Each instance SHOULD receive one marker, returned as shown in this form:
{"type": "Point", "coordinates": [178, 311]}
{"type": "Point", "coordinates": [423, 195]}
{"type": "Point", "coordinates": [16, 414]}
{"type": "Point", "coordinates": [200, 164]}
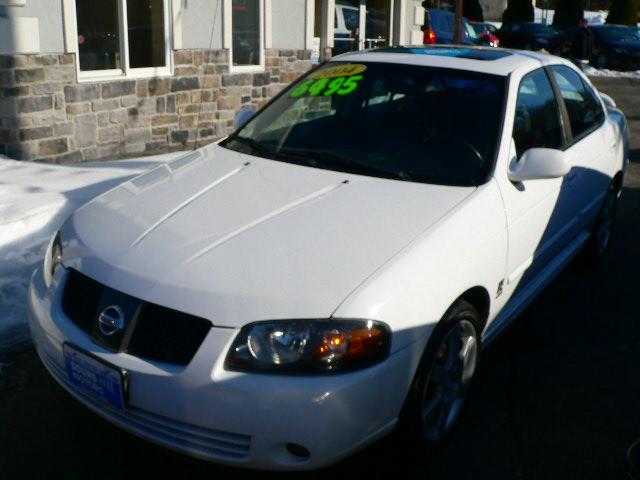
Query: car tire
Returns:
{"type": "Point", "coordinates": [528, 46]}
{"type": "Point", "coordinates": [602, 229]}
{"type": "Point", "coordinates": [444, 375]}
{"type": "Point", "coordinates": [601, 61]}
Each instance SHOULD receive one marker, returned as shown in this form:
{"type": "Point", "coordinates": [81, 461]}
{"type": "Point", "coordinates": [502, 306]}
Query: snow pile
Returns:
{"type": "Point", "coordinates": [596, 18]}
{"type": "Point", "coordinates": [594, 72]}
{"type": "Point", "coordinates": [546, 16]}
{"type": "Point", "coordinates": [35, 199]}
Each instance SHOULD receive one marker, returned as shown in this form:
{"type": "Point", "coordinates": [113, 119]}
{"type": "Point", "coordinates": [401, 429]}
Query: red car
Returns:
{"type": "Point", "coordinates": [486, 34]}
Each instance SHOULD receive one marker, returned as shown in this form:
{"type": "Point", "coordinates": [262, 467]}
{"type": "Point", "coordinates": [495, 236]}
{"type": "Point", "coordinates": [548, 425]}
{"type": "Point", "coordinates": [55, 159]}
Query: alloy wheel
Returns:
{"type": "Point", "coordinates": [449, 380]}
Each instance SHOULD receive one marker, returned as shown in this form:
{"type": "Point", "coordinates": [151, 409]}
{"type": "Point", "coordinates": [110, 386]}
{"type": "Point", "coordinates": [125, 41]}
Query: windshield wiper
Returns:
{"type": "Point", "coordinates": [316, 158]}
{"type": "Point", "coordinates": [253, 145]}
{"type": "Point", "coordinates": [313, 157]}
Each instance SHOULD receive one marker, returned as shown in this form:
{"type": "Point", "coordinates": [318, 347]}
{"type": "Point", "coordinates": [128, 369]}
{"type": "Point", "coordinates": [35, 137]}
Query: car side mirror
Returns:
{"type": "Point", "coordinates": [608, 101]}
{"type": "Point", "coordinates": [539, 163]}
{"type": "Point", "coordinates": [243, 116]}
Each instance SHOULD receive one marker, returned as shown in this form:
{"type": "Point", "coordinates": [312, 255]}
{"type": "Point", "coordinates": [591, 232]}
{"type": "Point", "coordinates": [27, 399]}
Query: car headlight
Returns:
{"type": "Point", "coordinates": [309, 346]}
{"type": "Point", "coordinates": [52, 258]}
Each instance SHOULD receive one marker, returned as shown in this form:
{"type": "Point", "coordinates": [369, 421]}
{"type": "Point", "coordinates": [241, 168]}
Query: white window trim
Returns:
{"type": "Point", "coordinates": [310, 17]}
{"type": "Point", "coordinates": [71, 45]}
{"type": "Point", "coordinates": [265, 36]}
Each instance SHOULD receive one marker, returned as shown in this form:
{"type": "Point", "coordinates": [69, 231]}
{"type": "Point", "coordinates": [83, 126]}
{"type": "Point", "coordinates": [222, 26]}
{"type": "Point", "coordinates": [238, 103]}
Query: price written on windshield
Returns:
{"type": "Point", "coordinates": [327, 87]}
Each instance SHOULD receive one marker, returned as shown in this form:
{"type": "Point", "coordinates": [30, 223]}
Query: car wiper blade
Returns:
{"type": "Point", "coordinates": [253, 145]}
{"type": "Point", "coordinates": [312, 156]}
{"type": "Point", "coordinates": [317, 158]}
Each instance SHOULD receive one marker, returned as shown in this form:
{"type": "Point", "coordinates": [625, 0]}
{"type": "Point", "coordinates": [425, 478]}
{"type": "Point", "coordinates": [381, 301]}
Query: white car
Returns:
{"type": "Point", "coordinates": [287, 296]}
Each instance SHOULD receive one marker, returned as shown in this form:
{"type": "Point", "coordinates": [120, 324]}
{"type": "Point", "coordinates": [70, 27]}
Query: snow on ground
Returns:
{"type": "Point", "coordinates": [594, 17]}
{"type": "Point", "coordinates": [594, 72]}
{"type": "Point", "coordinates": [35, 199]}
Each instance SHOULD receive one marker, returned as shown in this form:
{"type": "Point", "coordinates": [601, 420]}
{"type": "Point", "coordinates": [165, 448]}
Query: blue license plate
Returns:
{"type": "Point", "coordinates": [94, 377]}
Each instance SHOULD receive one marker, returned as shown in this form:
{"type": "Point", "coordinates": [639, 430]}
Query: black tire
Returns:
{"type": "Point", "coordinates": [414, 419]}
{"type": "Point", "coordinates": [602, 229]}
{"type": "Point", "coordinates": [528, 46]}
{"type": "Point", "coordinates": [602, 61]}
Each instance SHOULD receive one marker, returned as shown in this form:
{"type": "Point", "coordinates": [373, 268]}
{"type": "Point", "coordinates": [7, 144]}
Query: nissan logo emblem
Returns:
{"type": "Point", "coordinates": [111, 320]}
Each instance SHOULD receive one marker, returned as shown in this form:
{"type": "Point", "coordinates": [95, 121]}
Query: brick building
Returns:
{"type": "Point", "coordinates": [86, 80]}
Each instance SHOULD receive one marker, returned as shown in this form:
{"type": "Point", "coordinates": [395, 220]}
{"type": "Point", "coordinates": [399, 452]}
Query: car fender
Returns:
{"type": "Point", "coordinates": [412, 291]}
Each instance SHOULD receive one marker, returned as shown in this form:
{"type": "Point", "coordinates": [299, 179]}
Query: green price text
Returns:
{"type": "Point", "coordinates": [327, 87]}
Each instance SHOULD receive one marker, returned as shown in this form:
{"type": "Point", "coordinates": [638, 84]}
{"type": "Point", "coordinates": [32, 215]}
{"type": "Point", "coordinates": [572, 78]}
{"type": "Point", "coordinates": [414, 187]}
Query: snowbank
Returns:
{"type": "Point", "coordinates": [34, 201]}
{"type": "Point", "coordinates": [594, 17]}
{"type": "Point", "coordinates": [594, 72]}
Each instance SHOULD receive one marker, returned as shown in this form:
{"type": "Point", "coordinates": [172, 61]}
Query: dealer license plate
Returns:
{"type": "Point", "coordinates": [94, 377]}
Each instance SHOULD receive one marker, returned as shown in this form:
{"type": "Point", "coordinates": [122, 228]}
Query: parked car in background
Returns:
{"type": "Point", "coordinates": [333, 268]}
{"type": "Point", "coordinates": [486, 33]}
{"type": "Point", "coordinates": [526, 35]}
{"type": "Point", "coordinates": [439, 28]}
{"type": "Point", "coordinates": [615, 46]}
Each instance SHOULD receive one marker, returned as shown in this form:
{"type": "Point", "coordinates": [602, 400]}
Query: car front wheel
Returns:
{"type": "Point", "coordinates": [445, 374]}
{"type": "Point", "coordinates": [602, 61]}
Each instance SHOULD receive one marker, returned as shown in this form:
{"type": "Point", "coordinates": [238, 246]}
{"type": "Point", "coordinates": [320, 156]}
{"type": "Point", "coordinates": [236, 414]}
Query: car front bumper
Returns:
{"type": "Point", "coordinates": [229, 417]}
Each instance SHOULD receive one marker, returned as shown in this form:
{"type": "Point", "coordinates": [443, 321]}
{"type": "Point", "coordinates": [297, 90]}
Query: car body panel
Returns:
{"type": "Point", "coordinates": [196, 409]}
{"type": "Point", "coordinates": [283, 241]}
{"type": "Point", "coordinates": [521, 35]}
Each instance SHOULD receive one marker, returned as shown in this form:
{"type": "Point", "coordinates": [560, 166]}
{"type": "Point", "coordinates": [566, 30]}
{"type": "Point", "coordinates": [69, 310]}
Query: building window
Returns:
{"type": "Point", "coordinates": [247, 27]}
{"type": "Point", "coordinates": [123, 37]}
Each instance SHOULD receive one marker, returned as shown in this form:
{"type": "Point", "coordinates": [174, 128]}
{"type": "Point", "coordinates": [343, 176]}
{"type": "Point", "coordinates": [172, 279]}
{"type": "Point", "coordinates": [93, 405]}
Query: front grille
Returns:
{"type": "Point", "coordinates": [203, 442]}
{"type": "Point", "coordinates": [152, 332]}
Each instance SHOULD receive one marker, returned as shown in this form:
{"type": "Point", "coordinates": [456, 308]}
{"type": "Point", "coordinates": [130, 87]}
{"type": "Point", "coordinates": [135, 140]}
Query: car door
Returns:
{"type": "Point", "coordinates": [536, 210]}
{"type": "Point", "coordinates": [446, 25]}
{"type": "Point", "coordinates": [591, 142]}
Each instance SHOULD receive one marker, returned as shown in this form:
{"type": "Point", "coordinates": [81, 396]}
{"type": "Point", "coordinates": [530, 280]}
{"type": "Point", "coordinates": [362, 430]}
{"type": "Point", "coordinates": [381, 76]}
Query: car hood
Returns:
{"type": "Point", "coordinates": [236, 238]}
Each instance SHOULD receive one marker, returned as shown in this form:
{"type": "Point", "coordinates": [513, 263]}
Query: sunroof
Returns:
{"type": "Point", "coordinates": [458, 52]}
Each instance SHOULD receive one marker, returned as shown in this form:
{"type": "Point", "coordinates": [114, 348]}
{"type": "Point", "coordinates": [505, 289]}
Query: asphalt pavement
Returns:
{"type": "Point", "coordinates": [557, 395]}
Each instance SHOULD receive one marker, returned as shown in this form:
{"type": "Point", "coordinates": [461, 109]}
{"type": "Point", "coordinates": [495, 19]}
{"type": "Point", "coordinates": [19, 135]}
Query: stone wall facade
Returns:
{"type": "Point", "coordinates": [47, 115]}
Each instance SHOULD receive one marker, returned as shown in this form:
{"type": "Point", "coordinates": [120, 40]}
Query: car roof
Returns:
{"type": "Point", "coordinates": [497, 61]}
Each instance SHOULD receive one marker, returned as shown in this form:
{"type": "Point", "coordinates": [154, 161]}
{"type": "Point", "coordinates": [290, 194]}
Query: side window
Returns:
{"type": "Point", "coordinates": [537, 121]}
{"type": "Point", "coordinates": [584, 108]}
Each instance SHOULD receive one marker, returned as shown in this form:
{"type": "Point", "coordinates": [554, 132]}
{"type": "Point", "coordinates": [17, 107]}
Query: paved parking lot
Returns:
{"type": "Point", "coordinates": [557, 396]}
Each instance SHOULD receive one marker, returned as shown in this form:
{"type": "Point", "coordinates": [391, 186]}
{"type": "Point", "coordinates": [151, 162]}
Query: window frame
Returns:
{"type": "Point", "coordinates": [126, 71]}
{"type": "Point", "coordinates": [572, 139]}
{"type": "Point", "coordinates": [560, 107]}
{"type": "Point", "coordinates": [228, 38]}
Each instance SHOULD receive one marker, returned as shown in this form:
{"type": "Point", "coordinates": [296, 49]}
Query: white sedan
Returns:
{"type": "Point", "coordinates": [287, 296]}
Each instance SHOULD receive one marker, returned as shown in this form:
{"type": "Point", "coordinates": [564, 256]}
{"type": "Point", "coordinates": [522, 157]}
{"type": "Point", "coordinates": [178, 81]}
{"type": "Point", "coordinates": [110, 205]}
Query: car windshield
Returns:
{"type": "Point", "coordinates": [471, 33]}
{"type": "Point", "coordinates": [406, 122]}
{"type": "Point", "coordinates": [479, 28]}
{"type": "Point", "coordinates": [622, 34]}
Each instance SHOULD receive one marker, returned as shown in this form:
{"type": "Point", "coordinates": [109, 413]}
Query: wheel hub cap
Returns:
{"type": "Point", "coordinates": [449, 379]}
